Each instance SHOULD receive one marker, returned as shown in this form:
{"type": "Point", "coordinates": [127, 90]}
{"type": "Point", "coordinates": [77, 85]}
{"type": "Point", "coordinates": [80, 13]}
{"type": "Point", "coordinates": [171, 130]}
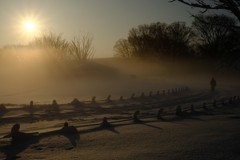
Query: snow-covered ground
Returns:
{"type": "Point", "coordinates": [210, 132]}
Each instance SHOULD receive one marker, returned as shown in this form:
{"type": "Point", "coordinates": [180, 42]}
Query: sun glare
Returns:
{"type": "Point", "coordinates": [30, 26]}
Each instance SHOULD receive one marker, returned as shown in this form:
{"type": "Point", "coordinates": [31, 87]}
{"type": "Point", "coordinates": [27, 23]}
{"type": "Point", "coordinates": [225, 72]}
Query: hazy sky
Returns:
{"type": "Point", "coordinates": [106, 20]}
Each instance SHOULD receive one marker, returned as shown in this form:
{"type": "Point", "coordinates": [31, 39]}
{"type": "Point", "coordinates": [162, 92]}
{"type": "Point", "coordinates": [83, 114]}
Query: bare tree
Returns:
{"type": "Point", "coordinates": [233, 6]}
{"type": "Point", "coordinates": [215, 34]}
{"type": "Point", "coordinates": [50, 40]}
{"type": "Point", "coordinates": [180, 37]}
{"type": "Point", "coordinates": [123, 49]}
{"type": "Point", "coordinates": [58, 48]}
{"type": "Point", "coordinates": [141, 40]}
{"type": "Point", "coordinates": [213, 27]}
{"type": "Point", "coordinates": [81, 47]}
{"type": "Point", "coordinates": [156, 40]}
{"type": "Point", "coordinates": [54, 45]}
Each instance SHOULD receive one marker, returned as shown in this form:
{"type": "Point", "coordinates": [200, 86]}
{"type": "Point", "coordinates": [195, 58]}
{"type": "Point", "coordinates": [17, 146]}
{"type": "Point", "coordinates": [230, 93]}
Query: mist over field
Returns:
{"type": "Point", "coordinates": [29, 74]}
{"type": "Point", "coordinates": [33, 75]}
{"type": "Point", "coordinates": [131, 80]}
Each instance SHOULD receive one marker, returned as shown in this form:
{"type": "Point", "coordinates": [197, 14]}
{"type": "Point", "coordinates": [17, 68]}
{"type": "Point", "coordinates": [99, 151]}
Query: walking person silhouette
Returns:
{"type": "Point", "coordinates": [213, 84]}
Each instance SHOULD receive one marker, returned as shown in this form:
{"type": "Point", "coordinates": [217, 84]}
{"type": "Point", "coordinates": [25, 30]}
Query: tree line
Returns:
{"type": "Point", "coordinates": [57, 48]}
{"type": "Point", "coordinates": [212, 37]}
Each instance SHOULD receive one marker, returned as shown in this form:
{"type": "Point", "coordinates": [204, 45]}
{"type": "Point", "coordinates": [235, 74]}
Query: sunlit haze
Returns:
{"type": "Point", "coordinates": [119, 79]}
{"type": "Point", "coordinates": [106, 20]}
{"type": "Point", "coordinates": [29, 26]}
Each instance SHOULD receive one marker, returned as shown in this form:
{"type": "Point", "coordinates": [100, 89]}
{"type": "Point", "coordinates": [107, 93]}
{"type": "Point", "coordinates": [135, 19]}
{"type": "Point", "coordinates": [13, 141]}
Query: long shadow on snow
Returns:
{"type": "Point", "coordinates": [113, 126]}
{"type": "Point", "coordinates": [15, 147]}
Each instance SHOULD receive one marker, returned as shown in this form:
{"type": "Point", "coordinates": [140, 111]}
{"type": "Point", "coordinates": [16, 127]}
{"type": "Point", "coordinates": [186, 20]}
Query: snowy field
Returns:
{"type": "Point", "coordinates": [209, 129]}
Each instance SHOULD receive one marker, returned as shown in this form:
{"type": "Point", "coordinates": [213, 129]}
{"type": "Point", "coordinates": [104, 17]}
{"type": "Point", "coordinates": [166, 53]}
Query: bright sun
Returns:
{"type": "Point", "coordinates": [29, 26]}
